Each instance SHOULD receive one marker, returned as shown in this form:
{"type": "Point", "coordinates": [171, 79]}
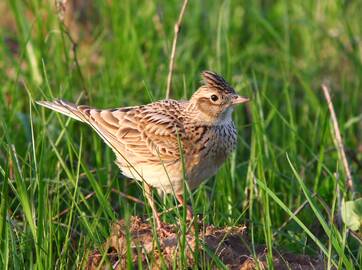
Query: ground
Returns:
{"type": "Point", "coordinates": [229, 245]}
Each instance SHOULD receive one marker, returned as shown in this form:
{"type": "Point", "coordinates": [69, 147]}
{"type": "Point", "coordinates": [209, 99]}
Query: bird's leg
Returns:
{"type": "Point", "coordinates": [189, 212]}
{"type": "Point", "coordinates": [148, 193]}
{"type": "Point", "coordinates": [160, 227]}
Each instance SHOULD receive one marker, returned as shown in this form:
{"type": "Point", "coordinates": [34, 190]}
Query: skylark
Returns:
{"type": "Point", "coordinates": [168, 141]}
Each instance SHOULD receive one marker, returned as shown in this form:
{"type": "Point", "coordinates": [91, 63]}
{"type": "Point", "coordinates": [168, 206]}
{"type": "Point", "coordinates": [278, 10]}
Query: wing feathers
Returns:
{"type": "Point", "coordinates": [143, 134]}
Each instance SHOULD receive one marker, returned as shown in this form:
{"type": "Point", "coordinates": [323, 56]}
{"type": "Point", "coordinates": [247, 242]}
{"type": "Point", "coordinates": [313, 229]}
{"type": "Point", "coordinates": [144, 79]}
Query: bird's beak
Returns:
{"type": "Point", "coordinates": [236, 99]}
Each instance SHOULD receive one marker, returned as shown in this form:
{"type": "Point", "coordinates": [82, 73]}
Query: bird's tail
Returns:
{"type": "Point", "coordinates": [83, 113]}
{"type": "Point", "coordinates": [67, 108]}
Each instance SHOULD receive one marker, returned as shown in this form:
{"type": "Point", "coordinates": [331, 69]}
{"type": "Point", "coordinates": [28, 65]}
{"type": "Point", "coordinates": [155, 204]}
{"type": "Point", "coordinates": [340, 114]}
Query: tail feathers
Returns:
{"type": "Point", "coordinates": [83, 113]}
{"type": "Point", "coordinates": [67, 108]}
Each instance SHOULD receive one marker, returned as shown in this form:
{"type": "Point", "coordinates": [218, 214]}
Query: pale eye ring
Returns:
{"type": "Point", "coordinates": [214, 97]}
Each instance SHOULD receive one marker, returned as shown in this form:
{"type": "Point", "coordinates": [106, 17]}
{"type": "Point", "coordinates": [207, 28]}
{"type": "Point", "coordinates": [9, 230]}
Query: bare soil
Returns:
{"type": "Point", "coordinates": [229, 246]}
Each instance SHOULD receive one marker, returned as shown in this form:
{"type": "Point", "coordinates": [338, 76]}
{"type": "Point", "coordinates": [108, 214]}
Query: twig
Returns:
{"type": "Point", "coordinates": [167, 211]}
{"type": "Point", "coordinates": [295, 213]}
{"type": "Point", "coordinates": [356, 236]}
{"type": "Point", "coordinates": [173, 51]}
{"type": "Point", "coordinates": [88, 196]}
{"type": "Point", "coordinates": [66, 210]}
{"type": "Point", "coordinates": [11, 169]}
{"type": "Point", "coordinates": [75, 55]}
{"type": "Point", "coordinates": [339, 142]}
{"type": "Point", "coordinates": [129, 197]}
{"type": "Point", "coordinates": [61, 9]}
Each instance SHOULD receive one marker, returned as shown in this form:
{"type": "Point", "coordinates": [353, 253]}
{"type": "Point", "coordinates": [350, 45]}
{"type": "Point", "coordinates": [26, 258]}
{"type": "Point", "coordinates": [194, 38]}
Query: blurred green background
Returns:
{"type": "Point", "coordinates": [276, 52]}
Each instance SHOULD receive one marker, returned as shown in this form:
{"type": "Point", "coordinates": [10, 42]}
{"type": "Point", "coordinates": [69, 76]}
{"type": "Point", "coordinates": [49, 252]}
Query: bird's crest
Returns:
{"type": "Point", "coordinates": [213, 80]}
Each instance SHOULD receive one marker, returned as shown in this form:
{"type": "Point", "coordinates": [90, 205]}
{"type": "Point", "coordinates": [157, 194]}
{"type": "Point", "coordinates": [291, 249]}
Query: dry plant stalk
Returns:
{"type": "Point", "coordinates": [66, 210]}
{"type": "Point", "coordinates": [61, 6]}
{"type": "Point", "coordinates": [339, 141]}
{"type": "Point", "coordinates": [173, 51]}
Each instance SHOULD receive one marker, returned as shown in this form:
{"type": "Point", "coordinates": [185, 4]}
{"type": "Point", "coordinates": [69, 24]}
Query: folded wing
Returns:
{"type": "Point", "coordinates": [145, 135]}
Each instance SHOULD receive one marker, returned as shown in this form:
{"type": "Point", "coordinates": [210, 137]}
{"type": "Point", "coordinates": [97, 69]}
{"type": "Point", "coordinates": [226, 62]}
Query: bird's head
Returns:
{"type": "Point", "coordinates": [214, 101]}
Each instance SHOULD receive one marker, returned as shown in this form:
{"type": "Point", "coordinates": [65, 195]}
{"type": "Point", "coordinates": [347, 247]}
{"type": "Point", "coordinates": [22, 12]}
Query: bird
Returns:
{"type": "Point", "coordinates": [168, 142]}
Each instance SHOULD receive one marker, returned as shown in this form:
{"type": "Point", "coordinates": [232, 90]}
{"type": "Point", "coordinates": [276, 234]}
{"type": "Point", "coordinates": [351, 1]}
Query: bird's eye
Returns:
{"type": "Point", "coordinates": [214, 97]}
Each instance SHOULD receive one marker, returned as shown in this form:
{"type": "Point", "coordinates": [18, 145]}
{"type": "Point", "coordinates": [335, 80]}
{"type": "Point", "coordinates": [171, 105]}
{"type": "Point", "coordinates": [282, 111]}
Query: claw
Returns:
{"type": "Point", "coordinates": [164, 231]}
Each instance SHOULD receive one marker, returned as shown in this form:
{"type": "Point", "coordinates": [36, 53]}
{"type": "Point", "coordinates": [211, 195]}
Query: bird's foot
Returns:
{"type": "Point", "coordinates": [164, 230]}
{"type": "Point", "coordinates": [189, 213]}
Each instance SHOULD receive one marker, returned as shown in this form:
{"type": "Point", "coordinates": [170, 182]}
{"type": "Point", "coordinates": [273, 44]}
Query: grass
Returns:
{"type": "Point", "coordinates": [277, 52]}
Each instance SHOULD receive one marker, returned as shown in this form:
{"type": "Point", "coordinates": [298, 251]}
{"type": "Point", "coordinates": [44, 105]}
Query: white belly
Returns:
{"type": "Point", "coordinates": [169, 179]}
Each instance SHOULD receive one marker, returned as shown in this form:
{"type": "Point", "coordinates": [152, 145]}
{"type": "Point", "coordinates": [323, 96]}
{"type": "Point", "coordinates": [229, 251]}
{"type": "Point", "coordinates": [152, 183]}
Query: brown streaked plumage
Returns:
{"type": "Point", "coordinates": [148, 140]}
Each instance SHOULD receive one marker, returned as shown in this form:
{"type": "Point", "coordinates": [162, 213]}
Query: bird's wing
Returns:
{"type": "Point", "coordinates": [143, 134]}
{"type": "Point", "coordinates": [150, 133]}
